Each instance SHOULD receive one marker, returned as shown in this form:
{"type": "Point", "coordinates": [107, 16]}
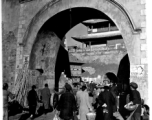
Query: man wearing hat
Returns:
{"type": "Point", "coordinates": [136, 99]}
{"type": "Point", "coordinates": [32, 98]}
{"type": "Point", "coordinates": [106, 101]}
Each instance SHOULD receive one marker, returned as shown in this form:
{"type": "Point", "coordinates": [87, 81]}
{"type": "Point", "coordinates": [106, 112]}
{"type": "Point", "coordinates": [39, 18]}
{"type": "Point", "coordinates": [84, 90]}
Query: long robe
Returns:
{"type": "Point", "coordinates": [46, 95]}
{"type": "Point", "coordinates": [84, 105]}
{"type": "Point", "coordinates": [107, 98]}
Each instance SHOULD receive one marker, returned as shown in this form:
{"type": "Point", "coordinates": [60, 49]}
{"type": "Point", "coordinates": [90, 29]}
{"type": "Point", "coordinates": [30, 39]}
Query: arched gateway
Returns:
{"type": "Point", "coordinates": [105, 6]}
{"type": "Point", "coordinates": [110, 8]}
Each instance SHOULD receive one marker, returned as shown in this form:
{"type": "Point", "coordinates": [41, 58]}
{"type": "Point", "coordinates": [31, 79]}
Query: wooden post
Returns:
{"type": "Point", "coordinates": [109, 26]}
{"type": "Point", "coordinates": [90, 45]}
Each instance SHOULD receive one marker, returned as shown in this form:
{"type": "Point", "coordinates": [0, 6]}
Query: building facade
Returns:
{"type": "Point", "coordinates": [22, 21]}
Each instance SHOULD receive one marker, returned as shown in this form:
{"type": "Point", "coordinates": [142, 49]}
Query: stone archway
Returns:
{"type": "Point", "coordinates": [57, 6]}
{"type": "Point", "coordinates": [52, 8]}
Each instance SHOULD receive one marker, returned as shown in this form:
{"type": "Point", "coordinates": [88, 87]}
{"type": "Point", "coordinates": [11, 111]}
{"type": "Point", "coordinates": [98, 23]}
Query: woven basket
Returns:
{"type": "Point", "coordinates": [91, 116]}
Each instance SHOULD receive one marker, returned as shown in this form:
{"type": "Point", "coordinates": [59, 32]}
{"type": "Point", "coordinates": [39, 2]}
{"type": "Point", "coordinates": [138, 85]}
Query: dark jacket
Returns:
{"type": "Point", "coordinates": [66, 105]}
{"type": "Point", "coordinates": [6, 95]}
{"type": "Point", "coordinates": [114, 91]}
{"type": "Point", "coordinates": [107, 98]}
{"type": "Point", "coordinates": [136, 99]}
{"type": "Point", "coordinates": [32, 98]}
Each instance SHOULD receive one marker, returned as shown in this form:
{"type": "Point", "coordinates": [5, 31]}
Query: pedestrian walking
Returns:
{"type": "Point", "coordinates": [135, 99]}
{"type": "Point", "coordinates": [32, 98]}
{"type": "Point", "coordinates": [6, 95]}
{"type": "Point", "coordinates": [67, 104]}
{"type": "Point", "coordinates": [45, 97]}
{"type": "Point", "coordinates": [83, 102]}
{"type": "Point", "coordinates": [106, 101]}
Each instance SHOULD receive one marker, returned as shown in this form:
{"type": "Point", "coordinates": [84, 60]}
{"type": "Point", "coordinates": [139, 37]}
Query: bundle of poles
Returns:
{"type": "Point", "coordinates": [21, 87]}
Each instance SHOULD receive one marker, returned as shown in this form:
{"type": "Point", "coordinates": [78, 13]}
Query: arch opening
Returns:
{"type": "Point", "coordinates": [55, 29]}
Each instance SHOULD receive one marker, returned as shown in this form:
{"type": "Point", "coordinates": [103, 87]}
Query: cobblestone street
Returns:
{"type": "Point", "coordinates": [22, 116]}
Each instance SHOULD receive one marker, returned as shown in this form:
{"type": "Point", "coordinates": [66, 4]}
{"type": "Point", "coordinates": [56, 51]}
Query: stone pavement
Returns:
{"type": "Point", "coordinates": [49, 116]}
{"type": "Point", "coordinates": [24, 116]}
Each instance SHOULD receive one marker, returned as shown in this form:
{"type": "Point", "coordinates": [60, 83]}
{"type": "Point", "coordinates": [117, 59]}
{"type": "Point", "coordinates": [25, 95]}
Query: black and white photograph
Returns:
{"type": "Point", "coordinates": [75, 60]}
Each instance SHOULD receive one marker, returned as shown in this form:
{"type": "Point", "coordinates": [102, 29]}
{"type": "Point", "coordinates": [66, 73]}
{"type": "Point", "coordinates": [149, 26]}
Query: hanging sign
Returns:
{"type": "Point", "coordinates": [25, 61]}
{"type": "Point", "coordinates": [137, 70]}
{"type": "Point", "coordinates": [75, 70]}
{"type": "Point", "coordinates": [89, 69]}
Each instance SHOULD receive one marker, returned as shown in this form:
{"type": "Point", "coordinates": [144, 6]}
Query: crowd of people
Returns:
{"type": "Point", "coordinates": [106, 100]}
{"type": "Point", "coordinates": [75, 101]}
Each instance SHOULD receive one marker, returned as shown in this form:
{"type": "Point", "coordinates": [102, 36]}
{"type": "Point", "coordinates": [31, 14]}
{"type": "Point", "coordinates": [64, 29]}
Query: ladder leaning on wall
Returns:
{"type": "Point", "coordinates": [20, 88]}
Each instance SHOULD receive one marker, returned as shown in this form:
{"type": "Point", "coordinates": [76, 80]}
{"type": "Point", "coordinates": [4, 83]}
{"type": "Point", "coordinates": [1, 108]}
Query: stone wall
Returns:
{"type": "Point", "coordinates": [9, 57]}
{"type": "Point", "coordinates": [10, 20]}
{"type": "Point", "coordinates": [17, 17]}
{"type": "Point", "coordinates": [10, 16]}
{"type": "Point", "coordinates": [105, 61]}
{"type": "Point", "coordinates": [56, 6]}
{"type": "Point", "coordinates": [43, 57]}
{"type": "Point", "coordinates": [105, 57]}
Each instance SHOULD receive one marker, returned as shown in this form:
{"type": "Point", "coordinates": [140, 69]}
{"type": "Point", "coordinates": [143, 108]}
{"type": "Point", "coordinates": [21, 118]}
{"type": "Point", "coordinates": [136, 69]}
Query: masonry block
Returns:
{"type": "Point", "coordinates": [143, 54]}
{"type": "Point", "coordinates": [19, 41]}
{"type": "Point", "coordinates": [21, 9]}
{"type": "Point", "coordinates": [20, 35]}
{"type": "Point", "coordinates": [20, 26]}
{"type": "Point", "coordinates": [18, 52]}
{"type": "Point", "coordinates": [143, 24]}
{"type": "Point", "coordinates": [21, 17]}
{"type": "Point", "coordinates": [143, 41]}
{"type": "Point", "coordinates": [143, 47]}
{"type": "Point", "coordinates": [20, 56]}
{"type": "Point", "coordinates": [18, 66]}
{"type": "Point", "coordinates": [21, 31]}
{"type": "Point", "coordinates": [143, 36]}
{"type": "Point", "coordinates": [21, 22]}
{"type": "Point", "coordinates": [144, 61]}
{"type": "Point", "coordinates": [143, 30]}
{"type": "Point", "coordinates": [143, 1]}
{"type": "Point", "coordinates": [143, 12]}
{"type": "Point", "coordinates": [142, 18]}
{"type": "Point", "coordinates": [21, 61]}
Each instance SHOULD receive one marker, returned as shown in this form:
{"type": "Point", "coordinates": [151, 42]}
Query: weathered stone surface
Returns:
{"type": "Point", "coordinates": [143, 47]}
{"type": "Point", "coordinates": [144, 61]}
{"type": "Point", "coordinates": [44, 55]}
{"type": "Point", "coordinates": [10, 15]}
{"type": "Point", "coordinates": [129, 5]}
{"type": "Point", "coordinates": [143, 12]}
{"type": "Point", "coordinates": [9, 56]}
{"type": "Point", "coordinates": [143, 54]}
{"type": "Point", "coordinates": [46, 12]}
{"type": "Point", "coordinates": [105, 58]}
{"type": "Point", "coordinates": [33, 15]}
